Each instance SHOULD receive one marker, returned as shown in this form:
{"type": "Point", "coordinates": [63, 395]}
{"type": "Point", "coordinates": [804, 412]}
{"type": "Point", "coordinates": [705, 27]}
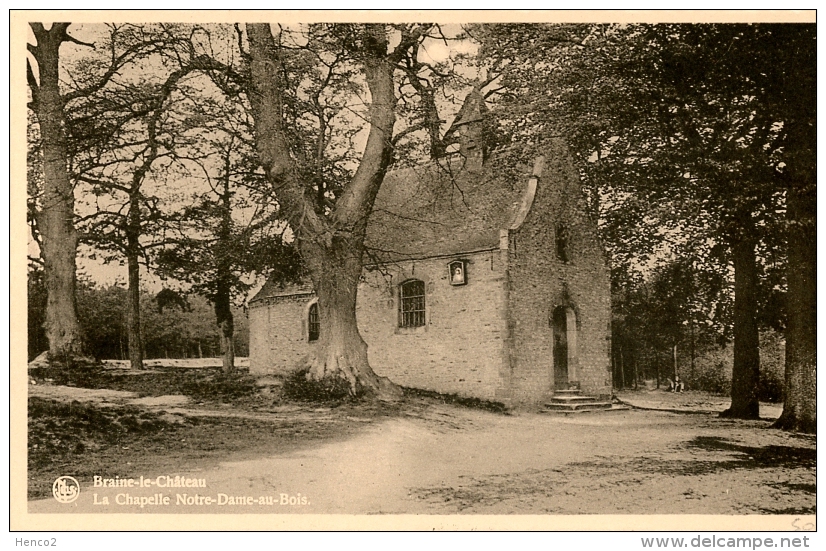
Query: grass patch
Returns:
{"type": "Point", "coordinates": [329, 390]}
{"type": "Point", "coordinates": [208, 384]}
{"type": "Point", "coordinates": [454, 399]}
{"type": "Point", "coordinates": [76, 438]}
{"type": "Point", "coordinates": [83, 440]}
{"type": "Point", "coordinates": [221, 387]}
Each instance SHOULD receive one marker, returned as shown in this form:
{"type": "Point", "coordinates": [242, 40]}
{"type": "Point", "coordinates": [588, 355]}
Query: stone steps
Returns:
{"type": "Point", "coordinates": [593, 405]}
{"type": "Point", "coordinates": [571, 401]}
{"type": "Point", "coordinates": [567, 392]}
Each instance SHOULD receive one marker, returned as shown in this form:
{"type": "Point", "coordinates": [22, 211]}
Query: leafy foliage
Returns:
{"type": "Point", "coordinates": [683, 135]}
{"type": "Point", "coordinates": [228, 229]}
{"type": "Point", "coordinates": [173, 331]}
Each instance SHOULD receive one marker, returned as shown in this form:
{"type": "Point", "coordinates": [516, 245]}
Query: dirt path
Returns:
{"type": "Point", "coordinates": [687, 402]}
{"type": "Point", "coordinates": [444, 459]}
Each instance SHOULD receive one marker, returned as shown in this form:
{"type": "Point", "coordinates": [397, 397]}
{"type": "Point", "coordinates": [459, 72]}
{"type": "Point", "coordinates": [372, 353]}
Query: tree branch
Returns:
{"type": "Point", "coordinates": [35, 87]}
{"type": "Point", "coordinates": [357, 200]}
{"type": "Point", "coordinates": [266, 74]}
{"type": "Point", "coordinates": [409, 38]}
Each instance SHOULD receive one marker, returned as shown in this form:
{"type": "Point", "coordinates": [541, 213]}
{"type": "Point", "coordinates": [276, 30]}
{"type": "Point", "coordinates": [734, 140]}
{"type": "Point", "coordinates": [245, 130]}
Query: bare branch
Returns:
{"type": "Point", "coordinates": [35, 87]}
{"type": "Point", "coordinates": [96, 182]}
{"type": "Point", "coordinates": [409, 130]}
{"type": "Point", "coordinates": [266, 73]}
{"type": "Point", "coordinates": [356, 201]}
{"type": "Point", "coordinates": [409, 38]}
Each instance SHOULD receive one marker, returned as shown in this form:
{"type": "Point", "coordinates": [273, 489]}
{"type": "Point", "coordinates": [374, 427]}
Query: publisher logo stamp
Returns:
{"type": "Point", "coordinates": [65, 489]}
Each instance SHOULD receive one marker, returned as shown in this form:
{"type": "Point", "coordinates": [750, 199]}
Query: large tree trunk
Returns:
{"type": "Point", "coordinates": [331, 243]}
{"type": "Point", "coordinates": [56, 213]}
{"type": "Point", "coordinates": [800, 98]}
{"type": "Point", "coordinates": [341, 353]}
{"type": "Point", "coordinates": [800, 392]}
{"type": "Point", "coordinates": [745, 375]}
{"type": "Point", "coordinates": [133, 311]}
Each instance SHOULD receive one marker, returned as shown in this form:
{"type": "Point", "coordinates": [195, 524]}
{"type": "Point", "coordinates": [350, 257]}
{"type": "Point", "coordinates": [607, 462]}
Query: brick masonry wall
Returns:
{"type": "Point", "coordinates": [460, 349]}
{"type": "Point", "coordinates": [278, 333]}
{"type": "Point", "coordinates": [539, 282]}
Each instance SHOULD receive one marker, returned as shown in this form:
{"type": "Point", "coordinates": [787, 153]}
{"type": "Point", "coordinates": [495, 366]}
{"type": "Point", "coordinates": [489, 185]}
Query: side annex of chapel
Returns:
{"type": "Point", "coordinates": [486, 279]}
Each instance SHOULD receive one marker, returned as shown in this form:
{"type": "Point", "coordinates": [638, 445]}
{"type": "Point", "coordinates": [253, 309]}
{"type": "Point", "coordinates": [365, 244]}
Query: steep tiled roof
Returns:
{"type": "Point", "coordinates": [441, 208]}
{"type": "Point", "coordinates": [274, 289]}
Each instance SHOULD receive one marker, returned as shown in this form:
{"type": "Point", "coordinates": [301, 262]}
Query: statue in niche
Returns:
{"type": "Point", "coordinates": [457, 273]}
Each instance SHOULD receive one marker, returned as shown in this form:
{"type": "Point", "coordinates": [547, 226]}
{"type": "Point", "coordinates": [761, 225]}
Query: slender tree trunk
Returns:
{"type": "Point", "coordinates": [133, 318]}
{"type": "Point", "coordinates": [223, 302]}
{"type": "Point", "coordinates": [691, 327]}
{"type": "Point", "coordinates": [674, 357]}
{"type": "Point", "coordinates": [800, 392]}
{"type": "Point", "coordinates": [55, 216]}
{"type": "Point", "coordinates": [745, 375]}
{"type": "Point", "coordinates": [622, 369]}
{"type": "Point", "coordinates": [614, 378]}
{"type": "Point", "coordinates": [228, 345]}
{"type": "Point", "coordinates": [226, 324]}
{"type": "Point", "coordinates": [658, 371]}
{"type": "Point", "coordinates": [133, 311]}
{"type": "Point", "coordinates": [636, 376]}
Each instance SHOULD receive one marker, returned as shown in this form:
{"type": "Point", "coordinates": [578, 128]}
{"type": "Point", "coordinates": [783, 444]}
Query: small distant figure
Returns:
{"type": "Point", "coordinates": [458, 275]}
{"type": "Point", "coordinates": [676, 385]}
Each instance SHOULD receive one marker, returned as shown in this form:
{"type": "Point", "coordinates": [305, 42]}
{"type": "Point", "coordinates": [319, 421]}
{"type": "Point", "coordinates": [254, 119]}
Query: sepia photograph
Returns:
{"type": "Point", "coordinates": [498, 270]}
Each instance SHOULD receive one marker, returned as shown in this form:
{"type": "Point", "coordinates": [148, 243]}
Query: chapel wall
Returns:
{"type": "Point", "coordinates": [278, 333]}
{"type": "Point", "coordinates": [540, 281]}
{"type": "Point", "coordinates": [460, 349]}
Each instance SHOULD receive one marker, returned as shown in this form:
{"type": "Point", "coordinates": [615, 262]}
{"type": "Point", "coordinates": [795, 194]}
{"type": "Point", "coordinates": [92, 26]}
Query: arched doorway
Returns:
{"type": "Point", "coordinates": [563, 322]}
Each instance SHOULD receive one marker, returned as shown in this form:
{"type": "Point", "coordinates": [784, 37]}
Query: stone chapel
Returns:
{"type": "Point", "coordinates": [485, 279]}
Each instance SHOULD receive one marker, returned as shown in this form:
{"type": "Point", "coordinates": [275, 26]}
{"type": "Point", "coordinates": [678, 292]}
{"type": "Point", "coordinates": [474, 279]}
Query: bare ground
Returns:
{"type": "Point", "coordinates": [421, 456]}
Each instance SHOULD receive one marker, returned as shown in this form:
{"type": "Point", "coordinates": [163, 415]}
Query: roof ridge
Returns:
{"type": "Point", "coordinates": [453, 156]}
